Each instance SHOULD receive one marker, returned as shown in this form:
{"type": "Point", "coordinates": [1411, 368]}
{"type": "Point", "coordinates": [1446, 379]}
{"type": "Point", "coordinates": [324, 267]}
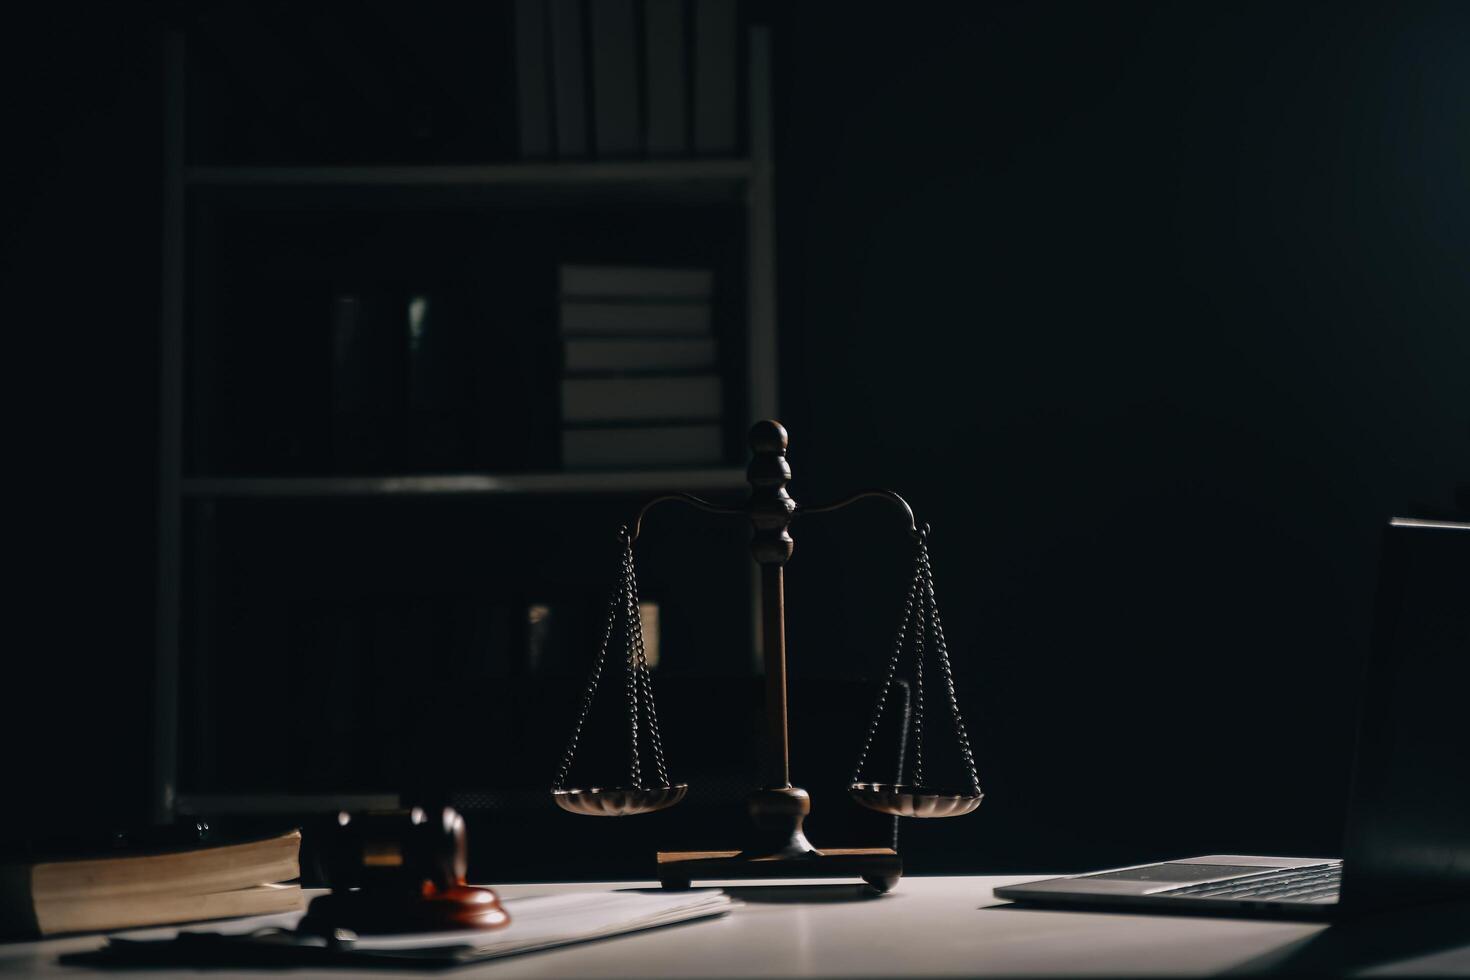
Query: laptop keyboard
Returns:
{"type": "Point", "coordinates": [1317, 885]}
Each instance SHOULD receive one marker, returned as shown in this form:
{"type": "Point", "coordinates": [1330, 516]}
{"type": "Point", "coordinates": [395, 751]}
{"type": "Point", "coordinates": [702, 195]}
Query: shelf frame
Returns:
{"type": "Point", "coordinates": [164, 774]}
{"type": "Point", "coordinates": [475, 175]}
{"type": "Point", "coordinates": [273, 804]}
{"type": "Point", "coordinates": [748, 181]}
{"type": "Point", "coordinates": [465, 484]}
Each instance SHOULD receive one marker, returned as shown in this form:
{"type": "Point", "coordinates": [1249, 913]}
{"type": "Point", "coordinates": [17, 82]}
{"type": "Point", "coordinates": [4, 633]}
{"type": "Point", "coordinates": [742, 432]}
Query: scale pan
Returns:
{"type": "Point", "coordinates": [904, 800]}
{"type": "Point", "coordinates": [619, 801]}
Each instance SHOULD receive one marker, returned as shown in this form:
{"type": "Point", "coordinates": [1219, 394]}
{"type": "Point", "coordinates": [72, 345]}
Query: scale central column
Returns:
{"type": "Point", "coordinates": [779, 808]}
{"type": "Point", "coordinates": [777, 847]}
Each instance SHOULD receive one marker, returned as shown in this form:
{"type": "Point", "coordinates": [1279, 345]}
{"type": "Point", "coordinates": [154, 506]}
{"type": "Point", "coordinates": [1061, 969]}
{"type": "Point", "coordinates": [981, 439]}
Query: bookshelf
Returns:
{"type": "Point", "coordinates": [717, 174]}
{"type": "Point", "coordinates": [474, 484]}
{"type": "Point", "coordinates": [190, 494]}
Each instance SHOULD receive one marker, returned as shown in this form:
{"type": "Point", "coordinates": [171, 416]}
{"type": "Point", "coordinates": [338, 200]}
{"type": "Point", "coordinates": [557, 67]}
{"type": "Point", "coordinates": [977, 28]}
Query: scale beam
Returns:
{"type": "Point", "coordinates": [776, 847]}
{"type": "Point", "coordinates": [683, 498]}
{"type": "Point", "coordinates": [888, 495]}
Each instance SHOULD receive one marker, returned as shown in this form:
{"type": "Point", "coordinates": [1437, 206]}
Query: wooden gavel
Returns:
{"type": "Point", "coordinates": [400, 871]}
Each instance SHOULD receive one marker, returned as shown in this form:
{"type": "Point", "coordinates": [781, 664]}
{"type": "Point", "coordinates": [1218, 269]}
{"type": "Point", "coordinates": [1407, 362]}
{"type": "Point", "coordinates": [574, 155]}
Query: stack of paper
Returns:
{"type": "Point", "coordinates": [535, 923]}
{"type": "Point", "coordinates": [558, 920]}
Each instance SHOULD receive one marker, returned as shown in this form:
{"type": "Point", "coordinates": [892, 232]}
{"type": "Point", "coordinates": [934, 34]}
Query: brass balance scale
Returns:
{"type": "Point", "coordinates": [777, 847]}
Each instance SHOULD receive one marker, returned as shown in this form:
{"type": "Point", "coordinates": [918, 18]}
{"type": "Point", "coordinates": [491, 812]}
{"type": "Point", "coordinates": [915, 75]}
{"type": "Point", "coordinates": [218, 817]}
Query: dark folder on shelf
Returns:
{"type": "Point", "coordinates": [617, 128]}
{"type": "Point", "coordinates": [715, 34]}
{"type": "Point", "coordinates": [437, 381]}
{"type": "Point", "coordinates": [568, 78]}
{"type": "Point", "coordinates": [367, 379]}
{"type": "Point", "coordinates": [665, 80]}
{"type": "Point", "coordinates": [533, 90]}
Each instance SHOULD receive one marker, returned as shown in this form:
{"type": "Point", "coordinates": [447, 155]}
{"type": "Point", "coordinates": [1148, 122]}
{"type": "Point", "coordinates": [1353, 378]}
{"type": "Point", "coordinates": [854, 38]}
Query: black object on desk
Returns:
{"type": "Point", "coordinates": [401, 871]}
{"type": "Point", "coordinates": [1407, 838]}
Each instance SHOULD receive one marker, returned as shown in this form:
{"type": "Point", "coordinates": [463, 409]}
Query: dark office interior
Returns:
{"type": "Point", "coordinates": [1154, 312]}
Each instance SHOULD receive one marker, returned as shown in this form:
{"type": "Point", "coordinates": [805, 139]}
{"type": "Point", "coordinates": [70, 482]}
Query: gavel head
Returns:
{"type": "Point", "coordinates": [399, 850]}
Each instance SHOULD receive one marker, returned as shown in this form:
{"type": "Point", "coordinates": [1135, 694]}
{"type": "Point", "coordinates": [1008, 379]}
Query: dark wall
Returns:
{"type": "Point", "coordinates": [80, 235]}
{"type": "Point", "coordinates": [1156, 312]}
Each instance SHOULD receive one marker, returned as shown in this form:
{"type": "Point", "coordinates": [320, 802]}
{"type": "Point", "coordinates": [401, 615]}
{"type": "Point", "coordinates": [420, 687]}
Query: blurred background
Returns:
{"type": "Point", "coordinates": [1155, 312]}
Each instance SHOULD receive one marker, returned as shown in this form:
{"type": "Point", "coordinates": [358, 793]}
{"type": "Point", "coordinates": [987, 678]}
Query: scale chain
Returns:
{"type": "Point", "coordinates": [922, 608]}
{"type": "Point", "coordinates": [919, 645]}
{"type": "Point", "coordinates": [639, 683]}
{"type": "Point", "coordinates": [908, 614]}
{"type": "Point", "coordinates": [590, 696]}
{"type": "Point", "coordinates": [942, 653]}
{"type": "Point", "coordinates": [645, 678]}
{"type": "Point", "coordinates": [630, 614]}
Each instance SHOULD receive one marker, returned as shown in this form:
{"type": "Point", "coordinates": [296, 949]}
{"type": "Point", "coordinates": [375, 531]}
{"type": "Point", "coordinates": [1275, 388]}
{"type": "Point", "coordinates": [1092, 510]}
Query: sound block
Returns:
{"type": "Point", "coordinates": [880, 867]}
{"type": "Point", "coordinates": [367, 911]}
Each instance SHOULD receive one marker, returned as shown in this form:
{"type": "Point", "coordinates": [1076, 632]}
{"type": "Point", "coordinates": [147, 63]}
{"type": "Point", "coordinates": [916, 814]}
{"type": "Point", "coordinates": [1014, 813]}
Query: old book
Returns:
{"type": "Point", "coordinates": [632, 399]}
{"type": "Point", "coordinates": [533, 88]}
{"type": "Point", "coordinates": [580, 316]}
{"type": "Point", "coordinates": [181, 885]}
{"type": "Point", "coordinates": [632, 354]}
{"type": "Point", "coordinates": [367, 384]}
{"type": "Point", "coordinates": [716, 34]}
{"type": "Point", "coordinates": [643, 282]}
{"type": "Point", "coordinates": [617, 125]}
{"type": "Point", "coordinates": [98, 914]}
{"type": "Point", "coordinates": [665, 78]}
{"type": "Point", "coordinates": [569, 79]}
{"type": "Point", "coordinates": [438, 382]}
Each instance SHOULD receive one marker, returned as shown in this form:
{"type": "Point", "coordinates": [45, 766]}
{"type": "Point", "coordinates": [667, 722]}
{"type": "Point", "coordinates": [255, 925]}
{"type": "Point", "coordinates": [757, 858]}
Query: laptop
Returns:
{"type": "Point", "coordinates": [1407, 838]}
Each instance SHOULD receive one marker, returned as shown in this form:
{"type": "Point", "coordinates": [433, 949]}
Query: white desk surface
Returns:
{"type": "Point", "coordinates": [929, 926]}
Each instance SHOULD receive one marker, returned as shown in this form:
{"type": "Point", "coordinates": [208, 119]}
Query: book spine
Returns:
{"type": "Point", "coordinates": [569, 78]}
{"type": "Point", "coordinates": [425, 340]}
{"type": "Point", "coordinates": [617, 128]}
{"type": "Point", "coordinates": [533, 91]}
{"type": "Point", "coordinates": [635, 318]}
{"type": "Point", "coordinates": [436, 383]}
{"type": "Point", "coordinates": [634, 399]}
{"type": "Point", "coordinates": [640, 380]}
{"type": "Point", "coordinates": [629, 354]}
{"type": "Point", "coordinates": [715, 36]}
{"type": "Point", "coordinates": [666, 81]}
{"type": "Point", "coordinates": [346, 336]}
{"type": "Point", "coordinates": [635, 281]}
{"type": "Point", "coordinates": [367, 380]}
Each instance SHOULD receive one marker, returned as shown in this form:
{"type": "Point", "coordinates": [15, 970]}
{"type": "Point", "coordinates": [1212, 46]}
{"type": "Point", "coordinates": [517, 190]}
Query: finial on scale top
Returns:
{"type": "Point", "coordinates": [770, 506]}
{"type": "Point", "coordinates": [768, 436]}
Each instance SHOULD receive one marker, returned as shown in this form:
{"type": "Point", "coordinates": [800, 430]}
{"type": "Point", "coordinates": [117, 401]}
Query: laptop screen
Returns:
{"type": "Point", "coordinates": [1408, 827]}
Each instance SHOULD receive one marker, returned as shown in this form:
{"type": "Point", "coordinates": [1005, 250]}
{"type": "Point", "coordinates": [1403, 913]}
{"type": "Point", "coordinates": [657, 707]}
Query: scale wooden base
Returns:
{"type": "Point", "coordinates": [779, 849]}
{"type": "Point", "coordinates": [880, 867]}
